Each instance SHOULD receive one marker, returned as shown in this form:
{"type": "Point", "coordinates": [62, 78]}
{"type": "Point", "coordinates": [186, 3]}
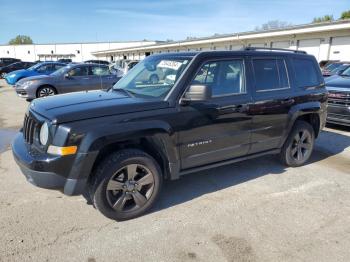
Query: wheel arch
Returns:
{"type": "Point", "coordinates": [309, 112]}
{"type": "Point", "coordinates": [45, 85]}
{"type": "Point", "coordinates": [155, 142]}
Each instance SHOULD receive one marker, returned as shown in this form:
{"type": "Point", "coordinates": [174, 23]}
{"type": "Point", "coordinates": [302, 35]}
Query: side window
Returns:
{"type": "Point", "coordinates": [100, 70]}
{"type": "Point", "coordinates": [43, 68]}
{"type": "Point", "coordinates": [206, 74]}
{"type": "Point", "coordinates": [57, 66]}
{"type": "Point", "coordinates": [224, 77]}
{"type": "Point", "coordinates": [78, 71]}
{"type": "Point", "coordinates": [270, 74]}
{"type": "Point", "coordinates": [305, 72]}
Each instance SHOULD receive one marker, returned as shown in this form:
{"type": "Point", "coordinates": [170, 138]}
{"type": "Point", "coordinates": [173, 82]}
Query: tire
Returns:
{"type": "Point", "coordinates": [154, 79]}
{"type": "Point", "coordinates": [3, 75]}
{"type": "Point", "coordinates": [298, 147]}
{"type": "Point", "coordinates": [126, 184]}
{"type": "Point", "coordinates": [44, 91]}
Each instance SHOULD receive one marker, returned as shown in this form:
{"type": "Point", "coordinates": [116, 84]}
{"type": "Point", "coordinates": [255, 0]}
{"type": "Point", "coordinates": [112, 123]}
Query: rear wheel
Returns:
{"type": "Point", "coordinates": [46, 91]}
{"type": "Point", "coordinates": [126, 184]}
{"type": "Point", "coordinates": [3, 75]}
{"type": "Point", "coordinates": [299, 145]}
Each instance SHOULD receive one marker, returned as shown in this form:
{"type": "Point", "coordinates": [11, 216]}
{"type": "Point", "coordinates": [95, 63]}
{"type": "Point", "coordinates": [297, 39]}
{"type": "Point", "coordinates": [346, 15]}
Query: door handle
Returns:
{"type": "Point", "coordinates": [288, 101]}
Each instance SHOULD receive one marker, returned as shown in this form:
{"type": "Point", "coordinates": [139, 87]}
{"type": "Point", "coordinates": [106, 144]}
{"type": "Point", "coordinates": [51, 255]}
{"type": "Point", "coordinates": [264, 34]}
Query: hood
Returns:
{"type": "Point", "coordinates": [31, 78]}
{"type": "Point", "coordinates": [339, 82]}
{"type": "Point", "coordinates": [91, 104]}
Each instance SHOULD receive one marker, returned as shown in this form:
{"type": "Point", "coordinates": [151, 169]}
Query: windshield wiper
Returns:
{"type": "Point", "coordinates": [125, 91]}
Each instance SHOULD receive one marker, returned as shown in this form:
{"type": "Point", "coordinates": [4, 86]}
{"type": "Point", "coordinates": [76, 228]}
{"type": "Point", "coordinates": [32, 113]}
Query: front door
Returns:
{"type": "Point", "coordinates": [76, 79]}
{"type": "Point", "coordinates": [218, 129]}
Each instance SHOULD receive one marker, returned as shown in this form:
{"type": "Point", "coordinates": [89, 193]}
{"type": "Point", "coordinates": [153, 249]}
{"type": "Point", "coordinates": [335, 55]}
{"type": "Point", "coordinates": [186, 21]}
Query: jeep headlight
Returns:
{"type": "Point", "coordinates": [44, 134]}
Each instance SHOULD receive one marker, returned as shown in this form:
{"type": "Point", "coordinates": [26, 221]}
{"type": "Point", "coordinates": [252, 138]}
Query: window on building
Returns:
{"type": "Point", "coordinates": [305, 72]}
{"type": "Point", "coordinates": [224, 77]}
{"type": "Point", "coordinates": [270, 74]}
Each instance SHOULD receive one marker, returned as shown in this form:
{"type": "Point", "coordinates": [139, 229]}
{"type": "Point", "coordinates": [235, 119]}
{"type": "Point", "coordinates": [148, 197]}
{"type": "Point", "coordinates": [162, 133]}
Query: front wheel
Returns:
{"type": "Point", "coordinates": [126, 184]}
{"type": "Point", "coordinates": [299, 145]}
{"type": "Point", "coordinates": [45, 91]}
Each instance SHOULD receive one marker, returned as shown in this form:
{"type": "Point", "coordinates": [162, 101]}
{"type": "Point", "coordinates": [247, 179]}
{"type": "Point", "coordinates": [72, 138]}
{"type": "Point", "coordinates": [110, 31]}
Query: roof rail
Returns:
{"type": "Point", "coordinates": [252, 48]}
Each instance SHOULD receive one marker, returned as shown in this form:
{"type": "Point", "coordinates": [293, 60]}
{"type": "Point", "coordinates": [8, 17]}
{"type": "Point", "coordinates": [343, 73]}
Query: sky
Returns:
{"type": "Point", "coordinates": [62, 21]}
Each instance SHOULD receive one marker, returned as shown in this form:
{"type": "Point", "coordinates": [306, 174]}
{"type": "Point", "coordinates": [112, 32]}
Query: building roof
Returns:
{"type": "Point", "coordinates": [239, 37]}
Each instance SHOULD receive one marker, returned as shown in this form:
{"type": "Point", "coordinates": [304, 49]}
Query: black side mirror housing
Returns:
{"type": "Point", "coordinates": [197, 93]}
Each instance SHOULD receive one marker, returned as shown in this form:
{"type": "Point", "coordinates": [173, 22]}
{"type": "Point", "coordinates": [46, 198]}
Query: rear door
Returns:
{"type": "Point", "coordinates": [272, 101]}
{"type": "Point", "coordinates": [218, 129]}
{"type": "Point", "coordinates": [101, 77]}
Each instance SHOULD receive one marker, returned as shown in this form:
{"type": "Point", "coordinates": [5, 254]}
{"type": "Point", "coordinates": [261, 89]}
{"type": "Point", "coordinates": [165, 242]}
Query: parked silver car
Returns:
{"type": "Point", "coordinates": [71, 78]}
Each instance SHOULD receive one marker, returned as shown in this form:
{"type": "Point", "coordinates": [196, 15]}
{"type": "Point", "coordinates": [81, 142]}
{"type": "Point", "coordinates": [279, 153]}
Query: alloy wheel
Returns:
{"type": "Point", "coordinates": [130, 188]}
{"type": "Point", "coordinates": [46, 92]}
{"type": "Point", "coordinates": [301, 146]}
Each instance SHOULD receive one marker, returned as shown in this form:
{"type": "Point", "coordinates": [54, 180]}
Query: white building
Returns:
{"type": "Point", "coordinates": [78, 52]}
{"type": "Point", "coordinates": [326, 41]}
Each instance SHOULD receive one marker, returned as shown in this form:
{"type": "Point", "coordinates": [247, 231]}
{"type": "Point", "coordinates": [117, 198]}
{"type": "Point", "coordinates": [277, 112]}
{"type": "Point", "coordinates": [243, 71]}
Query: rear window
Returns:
{"type": "Point", "coordinates": [306, 73]}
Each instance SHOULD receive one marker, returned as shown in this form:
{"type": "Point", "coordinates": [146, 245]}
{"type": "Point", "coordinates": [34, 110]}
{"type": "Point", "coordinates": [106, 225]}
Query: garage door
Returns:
{"type": "Point", "coordinates": [236, 47]}
{"type": "Point", "coordinates": [280, 44]}
{"type": "Point", "coordinates": [257, 45]}
{"type": "Point", "coordinates": [311, 46]}
{"type": "Point", "coordinates": [340, 48]}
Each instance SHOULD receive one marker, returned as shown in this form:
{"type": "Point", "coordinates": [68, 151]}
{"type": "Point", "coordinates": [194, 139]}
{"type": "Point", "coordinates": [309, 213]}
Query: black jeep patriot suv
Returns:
{"type": "Point", "coordinates": [205, 110]}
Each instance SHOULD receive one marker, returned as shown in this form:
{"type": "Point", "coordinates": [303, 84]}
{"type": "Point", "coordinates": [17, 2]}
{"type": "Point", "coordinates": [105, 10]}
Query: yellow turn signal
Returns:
{"type": "Point", "coordinates": [62, 151]}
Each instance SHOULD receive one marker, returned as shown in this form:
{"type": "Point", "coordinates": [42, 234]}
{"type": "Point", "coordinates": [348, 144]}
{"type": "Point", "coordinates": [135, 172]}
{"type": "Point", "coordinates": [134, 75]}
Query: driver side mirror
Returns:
{"type": "Point", "coordinates": [197, 93]}
{"type": "Point", "coordinates": [67, 76]}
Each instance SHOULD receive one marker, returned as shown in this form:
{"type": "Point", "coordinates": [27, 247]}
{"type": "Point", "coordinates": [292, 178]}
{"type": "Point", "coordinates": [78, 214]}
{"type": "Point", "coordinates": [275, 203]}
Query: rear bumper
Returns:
{"type": "Point", "coordinates": [37, 169]}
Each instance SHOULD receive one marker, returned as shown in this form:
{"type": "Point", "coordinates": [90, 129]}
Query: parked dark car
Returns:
{"type": "Point", "coordinates": [15, 66]}
{"type": "Point", "coordinates": [4, 61]}
{"type": "Point", "coordinates": [71, 78]}
{"type": "Point", "coordinates": [339, 98]}
{"type": "Point", "coordinates": [101, 62]}
{"type": "Point", "coordinates": [65, 60]}
{"type": "Point", "coordinates": [215, 108]}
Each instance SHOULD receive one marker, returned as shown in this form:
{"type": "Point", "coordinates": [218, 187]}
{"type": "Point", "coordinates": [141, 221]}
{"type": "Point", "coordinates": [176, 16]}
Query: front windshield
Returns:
{"type": "Point", "coordinates": [59, 71]}
{"type": "Point", "coordinates": [346, 72]}
{"type": "Point", "coordinates": [332, 66]}
{"type": "Point", "coordinates": [153, 77]}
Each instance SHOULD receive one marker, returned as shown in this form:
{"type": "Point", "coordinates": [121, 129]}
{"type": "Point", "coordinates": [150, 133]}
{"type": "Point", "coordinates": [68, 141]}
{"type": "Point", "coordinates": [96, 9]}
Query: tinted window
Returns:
{"type": "Point", "coordinates": [305, 72]}
{"type": "Point", "coordinates": [44, 68]}
{"type": "Point", "coordinates": [100, 70]}
{"type": "Point", "coordinates": [78, 71]}
{"type": "Point", "coordinates": [224, 77]}
{"type": "Point", "coordinates": [270, 74]}
{"type": "Point", "coordinates": [57, 66]}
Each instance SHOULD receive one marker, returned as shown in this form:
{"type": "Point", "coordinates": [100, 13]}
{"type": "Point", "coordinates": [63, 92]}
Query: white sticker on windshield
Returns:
{"type": "Point", "coordinates": [169, 64]}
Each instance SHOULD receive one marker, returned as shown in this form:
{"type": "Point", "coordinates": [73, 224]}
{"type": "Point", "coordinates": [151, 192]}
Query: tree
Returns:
{"type": "Point", "coordinates": [273, 24]}
{"type": "Point", "coordinates": [21, 40]}
{"type": "Point", "coordinates": [345, 15]}
{"type": "Point", "coordinates": [324, 18]}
